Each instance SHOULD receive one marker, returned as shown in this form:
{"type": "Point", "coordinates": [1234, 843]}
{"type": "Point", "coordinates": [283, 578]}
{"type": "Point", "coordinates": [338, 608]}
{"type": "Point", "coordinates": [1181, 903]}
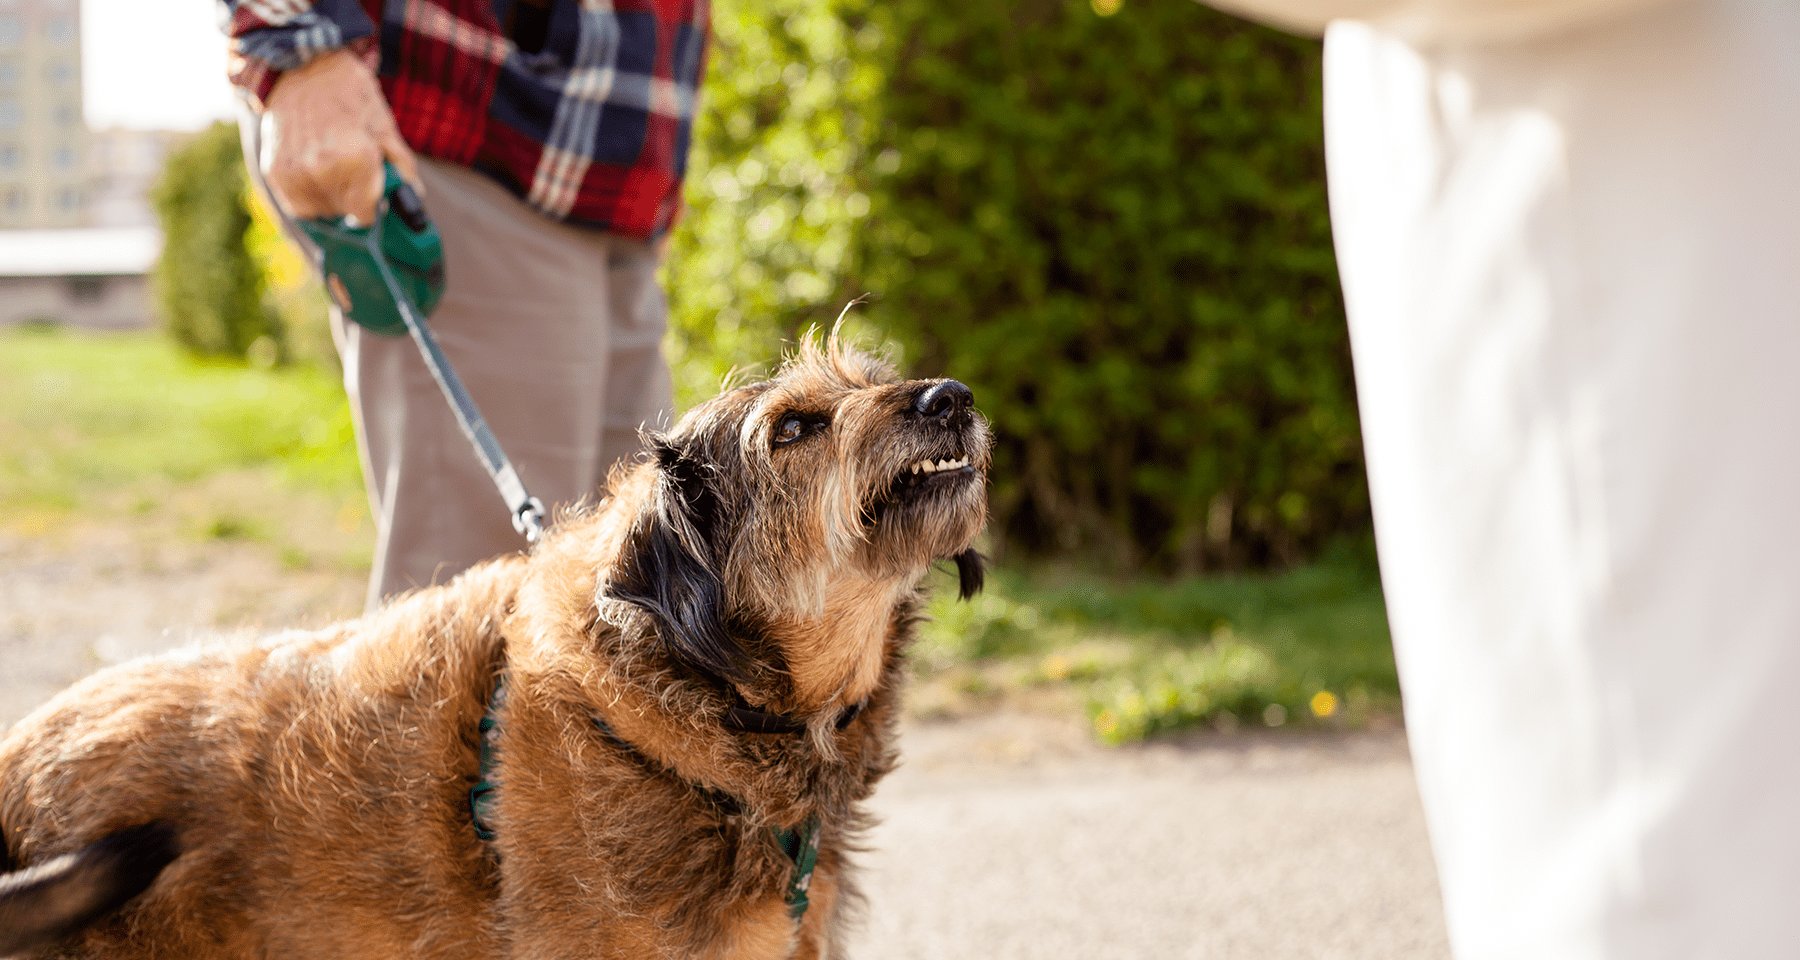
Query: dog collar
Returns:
{"type": "Point", "coordinates": [800, 844]}
{"type": "Point", "coordinates": [750, 720]}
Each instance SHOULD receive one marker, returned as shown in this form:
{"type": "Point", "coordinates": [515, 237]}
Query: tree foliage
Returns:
{"type": "Point", "coordinates": [1108, 219]}
{"type": "Point", "coordinates": [209, 287]}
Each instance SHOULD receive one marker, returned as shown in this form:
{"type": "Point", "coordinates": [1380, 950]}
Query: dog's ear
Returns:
{"type": "Point", "coordinates": [666, 567]}
{"type": "Point", "coordinates": [678, 466]}
{"type": "Point", "coordinates": [971, 573]}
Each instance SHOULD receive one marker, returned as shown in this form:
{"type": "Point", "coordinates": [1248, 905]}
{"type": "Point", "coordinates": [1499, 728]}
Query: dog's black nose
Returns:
{"type": "Point", "coordinates": [944, 399]}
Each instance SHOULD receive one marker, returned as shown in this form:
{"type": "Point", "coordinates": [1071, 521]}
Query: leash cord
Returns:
{"type": "Point", "coordinates": [527, 511]}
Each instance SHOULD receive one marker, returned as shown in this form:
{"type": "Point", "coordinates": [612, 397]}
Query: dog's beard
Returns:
{"type": "Point", "coordinates": [932, 506]}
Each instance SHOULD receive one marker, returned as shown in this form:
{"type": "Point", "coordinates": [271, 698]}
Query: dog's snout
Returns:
{"type": "Point", "coordinates": [944, 399]}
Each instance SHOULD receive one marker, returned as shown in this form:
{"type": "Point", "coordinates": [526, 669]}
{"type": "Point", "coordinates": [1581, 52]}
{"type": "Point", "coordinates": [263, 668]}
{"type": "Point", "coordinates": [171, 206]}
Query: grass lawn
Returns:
{"type": "Point", "coordinates": [1144, 656]}
{"type": "Point", "coordinates": [124, 429]}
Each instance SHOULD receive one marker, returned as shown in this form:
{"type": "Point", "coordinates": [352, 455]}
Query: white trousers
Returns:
{"type": "Point", "coordinates": [1572, 267]}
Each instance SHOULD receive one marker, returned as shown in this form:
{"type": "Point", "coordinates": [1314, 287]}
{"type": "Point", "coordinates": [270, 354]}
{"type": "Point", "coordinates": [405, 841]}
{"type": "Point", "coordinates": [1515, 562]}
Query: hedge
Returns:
{"type": "Point", "coordinates": [209, 288]}
{"type": "Point", "coordinates": [1108, 218]}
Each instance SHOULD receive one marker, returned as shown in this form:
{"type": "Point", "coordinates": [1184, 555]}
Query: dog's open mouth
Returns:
{"type": "Point", "coordinates": [928, 475]}
{"type": "Point", "coordinates": [922, 481]}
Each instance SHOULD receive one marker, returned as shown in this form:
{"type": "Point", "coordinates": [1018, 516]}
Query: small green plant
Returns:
{"type": "Point", "coordinates": [1144, 656]}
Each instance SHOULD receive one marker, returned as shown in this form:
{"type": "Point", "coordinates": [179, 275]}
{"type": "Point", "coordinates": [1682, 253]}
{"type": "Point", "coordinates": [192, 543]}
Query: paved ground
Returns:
{"type": "Point", "coordinates": [1003, 837]}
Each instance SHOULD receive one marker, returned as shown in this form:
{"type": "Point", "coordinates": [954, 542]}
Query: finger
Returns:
{"type": "Point", "coordinates": [292, 192]}
{"type": "Point", "coordinates": [395, 148]}
{"type": "Point", "coordinates": [298, 193]}
{"type": "Point", "coordinates": [348, 171]}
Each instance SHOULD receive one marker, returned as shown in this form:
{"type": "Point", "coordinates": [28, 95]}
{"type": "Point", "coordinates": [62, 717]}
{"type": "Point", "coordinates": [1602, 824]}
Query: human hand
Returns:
{"type": "Point", "coordinates": [325, 131]}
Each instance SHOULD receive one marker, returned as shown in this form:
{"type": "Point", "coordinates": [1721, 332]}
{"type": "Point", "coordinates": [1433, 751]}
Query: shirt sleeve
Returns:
{"type": "Point", "coordinates": [270, 37]}
{"type": "Point", "coordinates": [1436, 20]}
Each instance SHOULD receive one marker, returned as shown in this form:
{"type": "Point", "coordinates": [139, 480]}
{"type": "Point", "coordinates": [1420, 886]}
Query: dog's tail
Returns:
{"type": "Point", "coordinates": [42, 904]}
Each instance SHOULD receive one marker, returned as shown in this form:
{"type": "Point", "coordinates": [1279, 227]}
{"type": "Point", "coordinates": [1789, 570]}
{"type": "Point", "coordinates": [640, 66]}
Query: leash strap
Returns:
{"type": "Point", "coordinates": [801, 845]}
{"type": "Point", "coordinates": [527, 511]}
{"type": "Point", "coordinates": [481, 795]}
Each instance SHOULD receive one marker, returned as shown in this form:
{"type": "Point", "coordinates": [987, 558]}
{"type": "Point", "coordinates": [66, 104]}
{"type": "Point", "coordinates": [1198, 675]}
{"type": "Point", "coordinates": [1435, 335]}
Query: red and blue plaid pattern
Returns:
{"type": "Point", "coordinates": [586, 113]}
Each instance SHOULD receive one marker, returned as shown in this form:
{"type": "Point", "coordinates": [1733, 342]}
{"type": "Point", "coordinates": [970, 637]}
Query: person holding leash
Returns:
{"type": "Point", "coordinates": [1568, 232]}
{"type": "Point", "coordinates": [549, 139]}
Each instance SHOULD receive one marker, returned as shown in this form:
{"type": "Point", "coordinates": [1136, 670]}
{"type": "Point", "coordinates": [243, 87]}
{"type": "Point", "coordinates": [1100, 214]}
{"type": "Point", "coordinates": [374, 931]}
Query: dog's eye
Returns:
{"type": "Point", "coordinates": [794, 426]}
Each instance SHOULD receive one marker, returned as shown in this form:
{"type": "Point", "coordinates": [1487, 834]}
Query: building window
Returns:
{"type": "Point", "coordinates": [9, 156]}
{"type": "Point", "coordinates": [9, 73]}
{"type": "Point", "coordinates": [10, 114]}
{"type": "Point", "coordinates": [60, 71]}
{"type": "Point", "coordinates": [68, 115]}
{"type": "Point", "coordinates": [14, 199]}
{"type": "Point", "coordinates": [87, 289]}
{"type": "Point", "coordinates": [10, 30]}
{"type": "Point", "coordinates": [63, 158]}
{"type": "Point", "coordinates": [60, 29]}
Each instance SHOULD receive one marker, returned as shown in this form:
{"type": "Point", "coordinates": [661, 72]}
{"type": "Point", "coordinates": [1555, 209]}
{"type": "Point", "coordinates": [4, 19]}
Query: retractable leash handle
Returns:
{"type": "Point", "coordinates": [391, 272]}
{"type": "Point", "coordinates": [353, 253]}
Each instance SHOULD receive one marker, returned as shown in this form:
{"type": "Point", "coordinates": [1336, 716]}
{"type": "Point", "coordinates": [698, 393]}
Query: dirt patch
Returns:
{"type": "Point", "coordinates": [77, 599]}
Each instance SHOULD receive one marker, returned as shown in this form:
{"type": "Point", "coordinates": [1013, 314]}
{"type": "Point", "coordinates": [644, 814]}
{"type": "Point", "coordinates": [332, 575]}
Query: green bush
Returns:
{"type": "Point", "coordinates": [769, 241]}
{"type": "Point", "coordinates": [209, 288]}
{"type": "Point", "coordinates": [1108, 219]}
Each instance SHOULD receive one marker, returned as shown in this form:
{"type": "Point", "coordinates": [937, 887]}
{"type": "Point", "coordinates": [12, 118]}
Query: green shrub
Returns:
{"type": "Point", "coordinates": [1112, 227]}
{"type": "Point", "coordinates": [768, 243]}
{"type": "Point", "coordinates": [209, 289]}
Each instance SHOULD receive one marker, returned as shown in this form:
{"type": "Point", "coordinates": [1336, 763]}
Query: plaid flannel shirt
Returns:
{"type": "Point", "coordinates": [584, 109]}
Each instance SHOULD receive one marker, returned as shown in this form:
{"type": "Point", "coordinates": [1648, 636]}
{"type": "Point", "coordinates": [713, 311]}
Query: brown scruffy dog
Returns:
{"type": "Point", "coordinates": [673, 709]}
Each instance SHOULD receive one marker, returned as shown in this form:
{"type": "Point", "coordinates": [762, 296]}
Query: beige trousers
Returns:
{"type": "Point", "coordinates": [1572, 265]}
{"type": "Point", "coordinates": [557, 333]}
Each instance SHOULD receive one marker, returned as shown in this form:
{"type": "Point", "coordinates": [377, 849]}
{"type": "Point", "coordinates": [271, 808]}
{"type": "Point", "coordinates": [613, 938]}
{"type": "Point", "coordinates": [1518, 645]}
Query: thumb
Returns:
{"type": "Point", "coordinates": [395, 149]}
{"type": "Point", "coordinates": [362, 201]}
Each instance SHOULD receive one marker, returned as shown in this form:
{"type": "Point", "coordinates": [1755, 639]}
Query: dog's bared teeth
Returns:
{"type": "Point", "coordinates": [937, 466]}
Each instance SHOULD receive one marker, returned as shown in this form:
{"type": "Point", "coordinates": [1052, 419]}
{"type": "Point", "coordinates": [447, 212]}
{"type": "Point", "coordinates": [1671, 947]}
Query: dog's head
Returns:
{"type": "Point", "coordinates": [788, 519]}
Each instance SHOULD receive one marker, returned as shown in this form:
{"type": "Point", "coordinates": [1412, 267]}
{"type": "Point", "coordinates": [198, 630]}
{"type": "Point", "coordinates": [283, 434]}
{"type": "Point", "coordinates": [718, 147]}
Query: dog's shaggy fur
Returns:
{"type": "Point", "coordinates": [308, 792]}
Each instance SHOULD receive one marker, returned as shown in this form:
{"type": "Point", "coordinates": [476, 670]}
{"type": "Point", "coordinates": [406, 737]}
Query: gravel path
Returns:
{"type": "Point", "coordinates": [1003, 836]}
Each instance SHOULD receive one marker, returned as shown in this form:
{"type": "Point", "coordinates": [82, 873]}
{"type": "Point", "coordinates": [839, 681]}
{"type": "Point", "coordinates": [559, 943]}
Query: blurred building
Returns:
{"type": "Point", "coordinates": [96, 278]}
{"type": "Point", "coordinates": [77, 233]}
{"type": "Point", "coordinates": [125, 165]}
{"type": "Point", "coordinates": [44, 175]}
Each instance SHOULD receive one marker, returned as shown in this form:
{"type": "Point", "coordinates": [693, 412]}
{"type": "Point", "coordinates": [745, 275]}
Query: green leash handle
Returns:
{"type": "Point", "coordinates": [404, 236]}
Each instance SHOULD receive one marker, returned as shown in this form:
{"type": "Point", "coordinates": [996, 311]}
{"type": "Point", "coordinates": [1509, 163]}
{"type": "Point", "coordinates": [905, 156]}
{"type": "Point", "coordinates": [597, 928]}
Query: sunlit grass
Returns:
{"type": "Point", "coordinates": [97, 427]}
{"type": "Point", "coordinates": [1143, 656]}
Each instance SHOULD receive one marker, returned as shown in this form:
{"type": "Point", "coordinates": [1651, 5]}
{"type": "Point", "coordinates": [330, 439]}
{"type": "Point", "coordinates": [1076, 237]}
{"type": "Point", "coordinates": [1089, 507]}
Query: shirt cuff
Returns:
{"type": "Point", "coordinates": [261, 54]}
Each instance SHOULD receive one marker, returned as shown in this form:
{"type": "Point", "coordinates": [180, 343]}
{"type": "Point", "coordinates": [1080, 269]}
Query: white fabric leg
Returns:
{"type": "Point", "coordinates": [1572, 267]}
